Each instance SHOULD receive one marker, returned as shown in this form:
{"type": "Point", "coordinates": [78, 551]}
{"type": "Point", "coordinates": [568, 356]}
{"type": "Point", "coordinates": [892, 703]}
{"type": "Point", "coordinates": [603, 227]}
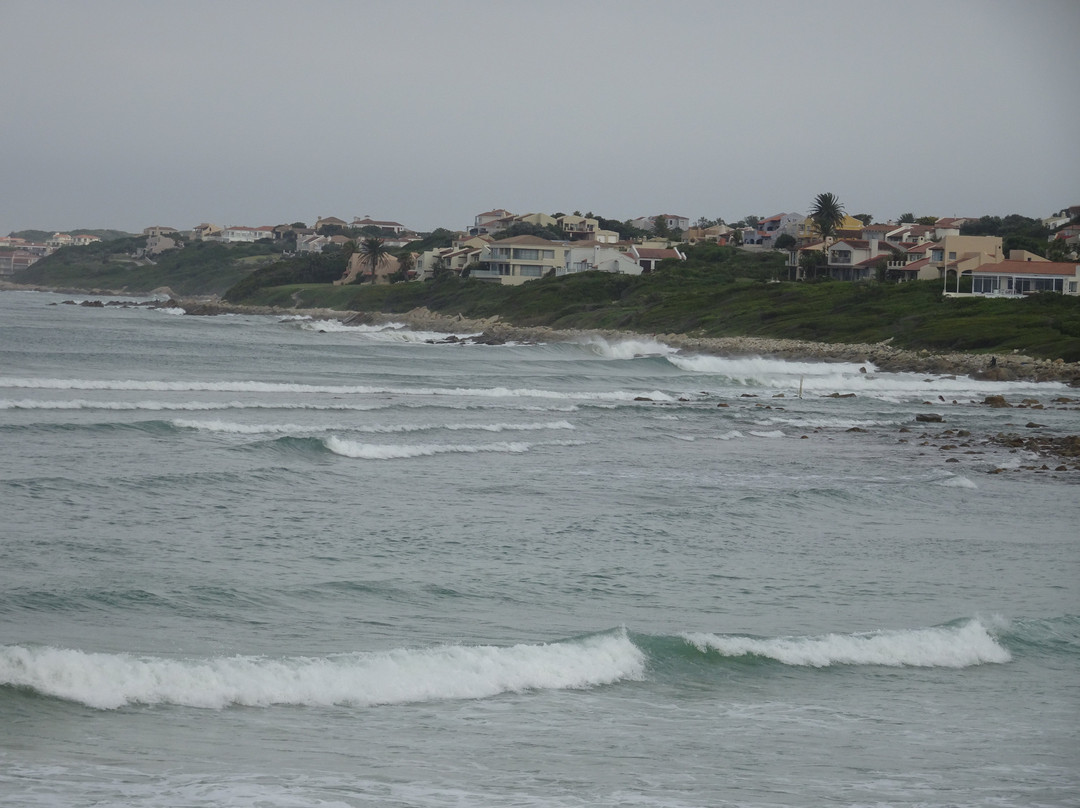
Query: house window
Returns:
{"type": "Point", "coordinates": [841, 256]}
{"type": "Point", "coordinates": [952, 255]}
{"type": "Point", "coordinates": [527, 255]}
{"type": "Point", "coordinates": [532, 272]}
{"type": "Point", "coordinates": [984, 286]}
{"type": "Point", "coordinates": [937, 255]}
{"type": "Point", "coordinates": [1072, 286]}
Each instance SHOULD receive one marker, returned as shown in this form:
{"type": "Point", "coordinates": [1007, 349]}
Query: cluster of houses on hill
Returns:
{"type": "Point", "coordinates": [902, 252]}
{"type": "Point", "coordinates": [574, 243]}
{"type": "Point", "coordinates": [17, 253]}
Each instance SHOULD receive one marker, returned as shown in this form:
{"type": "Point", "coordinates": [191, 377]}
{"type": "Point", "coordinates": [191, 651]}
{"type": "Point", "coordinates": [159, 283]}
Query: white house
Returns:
{"type": "Point", "coordinates": [1014, 278]}
{"type": "Point", "coordinates": [601, 259]}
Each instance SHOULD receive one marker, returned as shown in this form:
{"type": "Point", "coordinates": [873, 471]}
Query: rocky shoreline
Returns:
{"type": "Point", "coordinates": [1004, 367]}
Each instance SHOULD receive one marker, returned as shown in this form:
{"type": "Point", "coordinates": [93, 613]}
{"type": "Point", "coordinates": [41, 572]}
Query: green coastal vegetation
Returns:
{"type": "Point", "coordinates": [200, 268]}
{"type": "Point", "coordinates": [717, 291]}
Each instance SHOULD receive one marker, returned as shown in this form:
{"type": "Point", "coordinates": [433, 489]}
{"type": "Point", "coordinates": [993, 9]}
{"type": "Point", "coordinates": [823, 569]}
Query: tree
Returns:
{"type": "Point", "coordinates": [828, 215]}
{"type": "Point", "coordinates": [660, 227]}
{"type": "Point", "coordinates": [809, 261]}
{"type": "Point", "coordinates": [927, 220]}
{"type": "Point", "coordinates": [406, 263]}
{"type": "Point", "coordinates": [439, 269]}
{"type": "Point", "coordinates": [752, 221]}
{"type": "Point", "coordinates": [865, 218]}
{"type": "Point", "coordinates": [785, 241]}
{"type": "Point", "coordinates": [374, 254]}
{"type": "Point", "coordinates": [907, 218]}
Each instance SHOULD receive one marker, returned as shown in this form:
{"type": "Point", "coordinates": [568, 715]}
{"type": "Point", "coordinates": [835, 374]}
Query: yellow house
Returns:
{"type": "Point", "coordinates": [517, 260]}
{"type": "Point", "coordinates": [808, 230]}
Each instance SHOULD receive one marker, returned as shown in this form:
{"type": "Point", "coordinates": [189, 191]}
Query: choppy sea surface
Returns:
{"type": "Point", "coordinates": [263, 561]}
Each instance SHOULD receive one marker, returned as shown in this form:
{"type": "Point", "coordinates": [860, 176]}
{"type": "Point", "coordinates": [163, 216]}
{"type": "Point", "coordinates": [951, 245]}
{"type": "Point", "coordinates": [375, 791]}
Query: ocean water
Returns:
{"type": "Point", "coordinates": [264, 561]}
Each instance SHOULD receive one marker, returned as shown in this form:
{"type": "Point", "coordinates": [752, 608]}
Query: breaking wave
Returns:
{"type": "Point", "coordinates": [960, 646]}
{"type": "Point", "coordinates": [244, 386]}
{"type": "Point", "coordinates": [111, 681]}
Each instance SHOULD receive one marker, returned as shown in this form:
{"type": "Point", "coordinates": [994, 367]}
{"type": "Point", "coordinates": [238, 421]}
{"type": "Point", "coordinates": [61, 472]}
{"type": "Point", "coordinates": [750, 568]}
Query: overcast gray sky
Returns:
{"type": "Point", "coordinates": [123, 114]}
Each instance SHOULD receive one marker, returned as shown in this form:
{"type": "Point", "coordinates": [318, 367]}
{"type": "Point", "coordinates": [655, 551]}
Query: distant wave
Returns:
{"type": "Point", "coordinates": [378, 451]}
{"type": "Point", "coordinates": [959, 646]}
{"type": "Point", "coordinates": [293, 429]}
{"type": "Point", "coordinates": [197, 406]}
{"type": "Point", "coordinates": [111, 681]}
{"type": "Point", "coordinates": [243, 386]}
{"type": "Point", "coordinates": [627, 348]}
{"type": "Point", "coordinates": [388, 332]}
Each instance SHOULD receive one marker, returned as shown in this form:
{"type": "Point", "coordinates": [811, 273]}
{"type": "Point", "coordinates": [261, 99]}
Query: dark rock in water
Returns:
{"type": "Point", "coordinates": [929, 418]}
{"type": "Point", "coordinates": [93, 304]}
{"type": "Point", "coordinates": [642, 398]}
{"type": "Point", "coordinates": [723, 404]}
{"type": "Point", "coordinates": [840, 395]}
{"type": "Point", "coordinates": [360, 318]}
{"type": "Point", "coordinates": [487, 338]}
{"type": "Point", "coordinates": [996, 401]}
{"type": "Point", "coordinates": [1033, 425]}
{"type": "Point", "coordinates": [857, 429]}
{"type": "Point", "coordinates": [952, 460]}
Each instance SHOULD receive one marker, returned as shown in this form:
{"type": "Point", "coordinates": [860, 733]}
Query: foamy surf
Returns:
{"type": "Point", "coordinates": [627, 348]}
{"type": "Point", "coordinates": [825, 378]}
{"type": "Point", "coordinates": [379, 451]}
{"type": "Point", "coordinates": [111, 681]}
{"type": "Point", "coordinates": [944, 647]}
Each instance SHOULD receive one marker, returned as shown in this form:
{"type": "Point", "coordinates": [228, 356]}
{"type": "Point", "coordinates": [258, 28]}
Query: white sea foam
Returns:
{"type": "Point", "coordinates": [731, 435]}
{"type": "Point", "coordinates": [388, 332]}
{"type": "Point", "coordinates": [110, 681]}
{"type": "Point", "coordinates": [944, 647]}
{"type": "Point", "coordinates": [244, 386]}
{"type": "Point", "coordinates": [775, 433]}
{"type": "Point", "coordinates": [174, 310]}
{"type": "Point", "coordinates": [627, 348]}
{"type": "Point", "coordinates": [822, 378]}
{"type": "Point", "coordinates": [956, 481]}
{"type": "Point", "coordinates": [375, 451]}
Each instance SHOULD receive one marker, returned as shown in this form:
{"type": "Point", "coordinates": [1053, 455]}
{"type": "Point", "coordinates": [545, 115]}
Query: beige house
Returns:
{"type": "Point", "coordinates": [958, 254]}
{"type": "Point", "coordinates": [206, 232]}
{"type": "Point", "coordinates": [460, 253]}
{"type": "Point", "coordinates": [520, 259]}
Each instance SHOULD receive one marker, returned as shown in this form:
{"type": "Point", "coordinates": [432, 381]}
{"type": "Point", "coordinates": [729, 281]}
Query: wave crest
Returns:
{"type": "Point", "coordinates": [111, 681]}
{"type": "Point", "coordinates": [942, 647]}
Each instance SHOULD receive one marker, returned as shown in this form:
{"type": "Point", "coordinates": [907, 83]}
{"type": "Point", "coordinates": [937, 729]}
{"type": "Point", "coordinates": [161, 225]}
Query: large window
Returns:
{"type": "Point", "coordinates": [526, 255]}
{"type": "Point", "coordinates": [984, 286]}
{"type": "Point", "coordinates": [531, 272]}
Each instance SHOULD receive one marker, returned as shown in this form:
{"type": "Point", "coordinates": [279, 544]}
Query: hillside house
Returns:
{"type": "Point", "coordinates": [520, 259]}
{"type": "Point", "coordinates": [598, 258]}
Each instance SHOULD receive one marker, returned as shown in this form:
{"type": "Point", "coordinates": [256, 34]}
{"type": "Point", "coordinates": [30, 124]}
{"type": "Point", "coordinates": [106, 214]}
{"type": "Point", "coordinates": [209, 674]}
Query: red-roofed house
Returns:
{"type": "Point", "coordinates": [648, 257]}
{"type": "Point", "coordinates": [1013, 278]}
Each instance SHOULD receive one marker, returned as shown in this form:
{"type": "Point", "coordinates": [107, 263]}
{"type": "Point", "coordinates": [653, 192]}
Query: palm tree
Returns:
{"type": "Point", "coordinates": [828, 215]}
{"type": "Point", "coordinates": [374, 254]}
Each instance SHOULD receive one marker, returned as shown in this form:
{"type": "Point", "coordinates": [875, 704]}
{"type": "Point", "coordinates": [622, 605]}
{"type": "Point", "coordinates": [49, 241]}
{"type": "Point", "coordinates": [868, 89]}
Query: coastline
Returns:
{"type": "Point", "coordinates": [1012, 366]}
{"type": "Point", "coordinates": [885, 357]}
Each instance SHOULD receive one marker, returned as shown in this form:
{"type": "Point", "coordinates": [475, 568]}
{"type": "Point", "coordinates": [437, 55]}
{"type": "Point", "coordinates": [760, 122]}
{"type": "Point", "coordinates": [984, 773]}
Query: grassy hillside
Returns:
{"type": "Point", "coordinates": [199, 268]}
{"type": "Point", "coordinates": [696, 301]}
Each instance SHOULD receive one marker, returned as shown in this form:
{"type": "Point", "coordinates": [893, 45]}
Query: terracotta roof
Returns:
{"type": "Point", "coordinates": [1070, 268]}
